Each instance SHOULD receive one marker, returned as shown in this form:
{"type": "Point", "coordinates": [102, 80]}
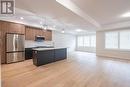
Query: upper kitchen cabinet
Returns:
{"type": "Point", "coordinates": [31, 32]}
{"type": "Point", "coordinates": [48, 35]}
{"type": "Point", "coordinates": [15, 28]}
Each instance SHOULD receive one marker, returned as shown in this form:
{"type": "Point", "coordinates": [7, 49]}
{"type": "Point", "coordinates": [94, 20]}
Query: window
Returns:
{"type": "Point", "coordinates": [117, 40]}
{"type": "Point", "coordinates": [80, 41]}
{"type": "Point", "coordinates": [86, 41]}
{"type": "Point", "coordinates": [111, 40]}
{"type": "Point", "coordinates": [125, 40]}
{"type": "Point", "coordinates": [93, 41]}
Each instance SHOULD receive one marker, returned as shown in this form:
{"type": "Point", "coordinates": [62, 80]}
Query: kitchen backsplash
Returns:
{"type": "Point", "coordinates": [30, 43]}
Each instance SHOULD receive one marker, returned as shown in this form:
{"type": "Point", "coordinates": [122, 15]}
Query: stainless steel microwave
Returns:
{"type": "Point", "coordinates": [39, 38]}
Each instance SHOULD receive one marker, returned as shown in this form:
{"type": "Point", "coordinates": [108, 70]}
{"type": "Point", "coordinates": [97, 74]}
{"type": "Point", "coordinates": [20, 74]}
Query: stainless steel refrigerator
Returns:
{"type": "Point", "coordinates": [14, 47]}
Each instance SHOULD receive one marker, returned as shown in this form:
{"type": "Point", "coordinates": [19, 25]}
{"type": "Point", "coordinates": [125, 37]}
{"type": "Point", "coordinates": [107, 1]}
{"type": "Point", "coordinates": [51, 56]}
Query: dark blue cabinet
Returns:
{"type": "Point", "coordinates": [48, 56]}
{"type": "Point", "coordinates": [43, 57]}
{"type": "Point", "coordinates": [60, 54]}
{"type": "Point", "coordinates": [28, 53]}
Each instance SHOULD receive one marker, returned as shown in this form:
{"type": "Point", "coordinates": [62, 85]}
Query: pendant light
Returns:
{"type": "Point", "coordinates": [45, 24]}
{"type": "Point", "coordinates": [63, 31]}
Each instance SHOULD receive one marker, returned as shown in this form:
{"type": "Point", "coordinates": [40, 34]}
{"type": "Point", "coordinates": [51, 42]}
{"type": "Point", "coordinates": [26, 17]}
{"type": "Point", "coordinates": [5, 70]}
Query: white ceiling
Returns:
{"type": "Point", "coordinates": [89, 15]}
{"type": "Point", "coordinates": [105, 11]}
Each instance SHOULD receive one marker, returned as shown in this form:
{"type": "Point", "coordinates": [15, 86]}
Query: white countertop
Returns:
{"type": "Point", "coordinates": [42, 49]}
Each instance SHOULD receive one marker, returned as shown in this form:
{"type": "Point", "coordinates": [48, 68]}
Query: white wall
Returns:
{"type": "Point", "coordinates": [101, 51]}
{"type": "Point", "coordinates": [64, 40]}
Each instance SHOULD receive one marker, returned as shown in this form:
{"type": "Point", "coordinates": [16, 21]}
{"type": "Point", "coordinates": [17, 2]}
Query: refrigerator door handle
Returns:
{"type": "Point", "coordinates": [14, 42]}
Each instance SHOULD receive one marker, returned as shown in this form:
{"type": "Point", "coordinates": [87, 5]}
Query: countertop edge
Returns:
{"type": "Point", "coordinates": [44, 49]}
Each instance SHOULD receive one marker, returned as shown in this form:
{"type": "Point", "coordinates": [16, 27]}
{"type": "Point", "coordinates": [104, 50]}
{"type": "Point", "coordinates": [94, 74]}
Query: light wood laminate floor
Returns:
{"type": "Point", "coordinates": [79, 70]}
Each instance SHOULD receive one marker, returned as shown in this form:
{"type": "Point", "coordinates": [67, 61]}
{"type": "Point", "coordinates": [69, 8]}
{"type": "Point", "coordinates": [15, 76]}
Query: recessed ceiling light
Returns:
{"type": "Point", "coordinates": [41, 22]}
{"type": "Point", "coordinates": [45, 28]}
{"type": "Point", "coordinates": [126, 14]}
{"type": "Point", "coordinates": [21, 18]}
{"type": "Point", "coordinates": [63, 31]}
{"type": "Point", "coordinates": [78, 30]}
{"type": "Point", "coordinates": [54, 26]}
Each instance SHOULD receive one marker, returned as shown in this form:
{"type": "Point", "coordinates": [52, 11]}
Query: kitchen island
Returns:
{"type": "Point", "coordinates": [42, 56]}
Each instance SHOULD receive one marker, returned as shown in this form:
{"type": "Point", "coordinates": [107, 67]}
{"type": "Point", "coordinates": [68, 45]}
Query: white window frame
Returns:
{"type": "Point", "coordinates": [91, 41]}
{"type": "Point", "coordinates": [90, 46]}
{"type": "Point", "coordinates": [116, 49]}
{"type": "Point", "coordinates": [117, 39]}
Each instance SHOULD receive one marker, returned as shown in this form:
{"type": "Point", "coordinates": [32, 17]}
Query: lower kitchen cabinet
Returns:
{"type": "Point", "coordinates": [60, 54]}
{"type": "Point", "coordinates": [28, 53]}
{"type": "Point", "coordinates": [41, 57]}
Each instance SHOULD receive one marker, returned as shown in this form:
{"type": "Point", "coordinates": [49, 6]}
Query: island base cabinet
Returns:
{"type": "Point", "coordinates": [60, 54]}
{"type": "Point", "coordinates": [28, 53]}
{"type": "Point", "coordinates": [43, 57]}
